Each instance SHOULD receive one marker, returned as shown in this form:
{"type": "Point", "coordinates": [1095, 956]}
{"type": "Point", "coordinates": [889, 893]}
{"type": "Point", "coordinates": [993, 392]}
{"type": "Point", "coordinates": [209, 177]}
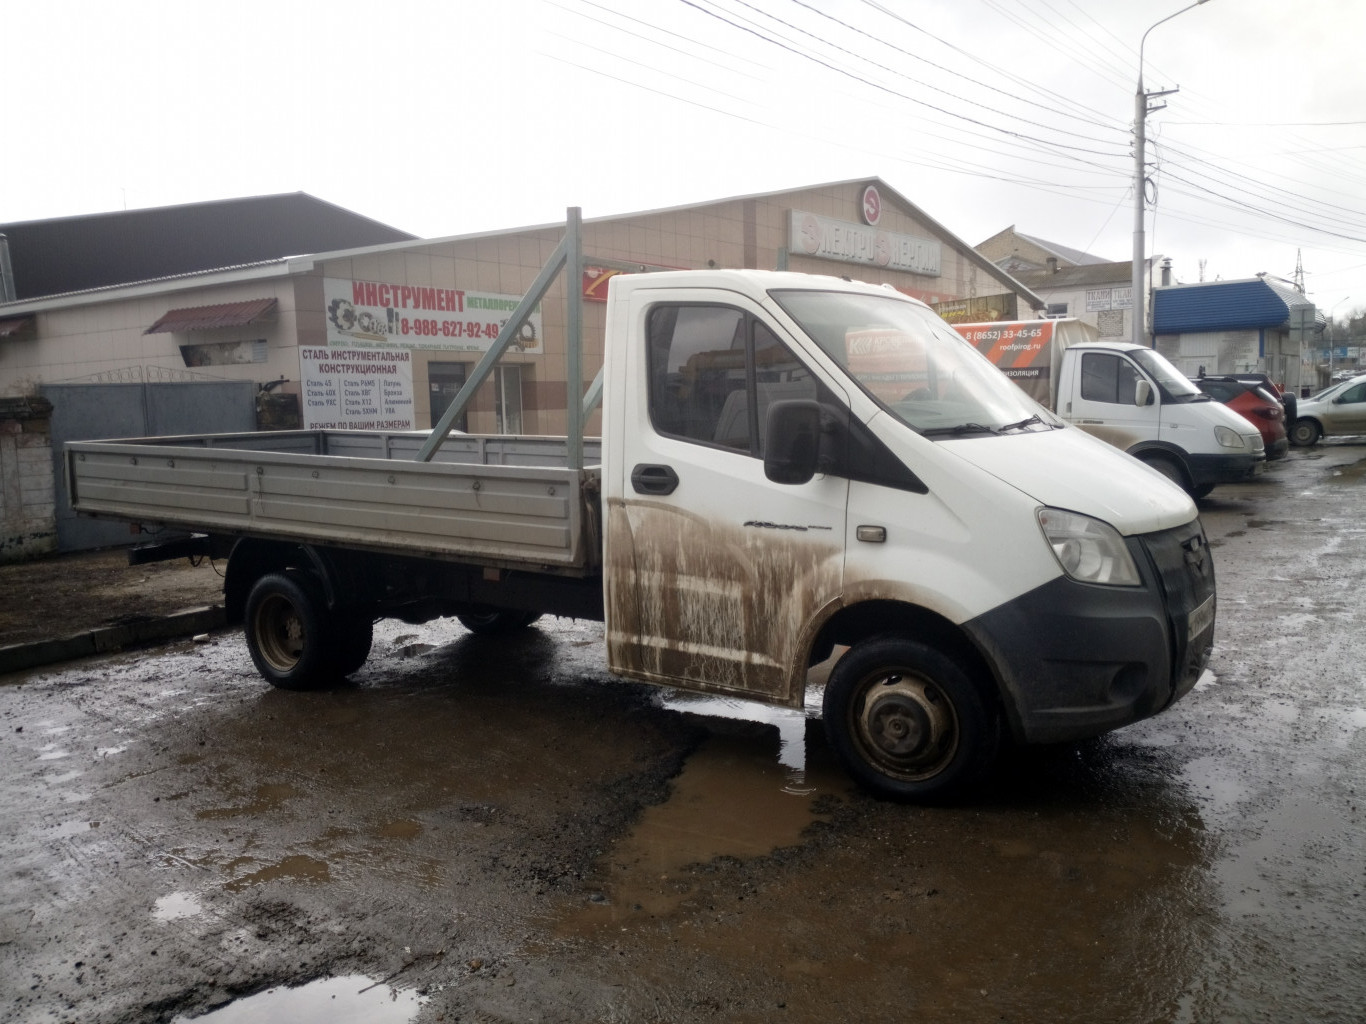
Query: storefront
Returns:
{"type": "Point", "coordinates": [384, 337]}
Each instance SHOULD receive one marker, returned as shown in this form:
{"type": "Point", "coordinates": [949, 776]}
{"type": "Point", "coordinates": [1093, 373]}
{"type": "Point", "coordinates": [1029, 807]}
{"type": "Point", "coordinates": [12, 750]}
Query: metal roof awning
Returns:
{"type": "Point", "coordinates": [14, 325]}
{"type": "Point", "coordinates": [207, 318]}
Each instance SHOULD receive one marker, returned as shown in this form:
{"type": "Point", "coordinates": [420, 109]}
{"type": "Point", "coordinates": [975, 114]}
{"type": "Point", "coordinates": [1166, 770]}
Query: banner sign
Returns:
{"type": "Point", "coordinates": [1098, 300]}
{"type": "Point", "coordinates": [1022, 350]}
{"type": "Point", "coordinates": [829, 239]}
{"type": "Point", "coordinates": [595, 282]}
{"type": "Point", "coordinates": [356, 389]}
{"type": "Point", "coordinates": [378, 315]}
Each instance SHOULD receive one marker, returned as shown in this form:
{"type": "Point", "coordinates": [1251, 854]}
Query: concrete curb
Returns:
{"type": "Point", "coordinates": [18, 657]}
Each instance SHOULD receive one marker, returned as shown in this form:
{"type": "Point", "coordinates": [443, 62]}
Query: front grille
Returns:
{"type": "Point", "coordinates": [1185, 567]}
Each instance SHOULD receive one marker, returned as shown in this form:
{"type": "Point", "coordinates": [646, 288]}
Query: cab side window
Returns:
{"type": "Point", "coordinates": [714, 371]}
{"type": "Point", "coordinates": [1106, 377]}
{"type": "Point", "coordinates": [1354, 394]}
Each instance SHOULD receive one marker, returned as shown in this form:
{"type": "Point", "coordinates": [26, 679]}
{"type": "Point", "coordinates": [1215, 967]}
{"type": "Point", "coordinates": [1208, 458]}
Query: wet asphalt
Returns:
{"type": "Point", "coordinates": [477, 831]}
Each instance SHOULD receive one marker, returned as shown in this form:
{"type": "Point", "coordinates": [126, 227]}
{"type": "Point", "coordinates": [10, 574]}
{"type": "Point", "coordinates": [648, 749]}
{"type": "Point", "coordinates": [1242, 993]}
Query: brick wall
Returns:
{"type": "Point", "coordinates": [28, 524]}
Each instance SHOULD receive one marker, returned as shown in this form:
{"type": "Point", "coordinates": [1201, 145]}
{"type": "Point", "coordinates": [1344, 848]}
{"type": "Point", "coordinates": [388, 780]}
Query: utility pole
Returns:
{"type": "Point", "coordinates": [1141, 112]}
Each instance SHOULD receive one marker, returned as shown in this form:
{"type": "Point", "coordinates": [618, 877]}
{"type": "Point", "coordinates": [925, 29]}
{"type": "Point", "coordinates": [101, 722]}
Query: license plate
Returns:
{"type": "Point", "coordinates": [1201, 618]}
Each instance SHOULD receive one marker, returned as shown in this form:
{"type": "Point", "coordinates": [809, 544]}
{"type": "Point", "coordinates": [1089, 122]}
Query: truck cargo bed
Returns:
{"type": "Point", "coordinates": [497, 500]}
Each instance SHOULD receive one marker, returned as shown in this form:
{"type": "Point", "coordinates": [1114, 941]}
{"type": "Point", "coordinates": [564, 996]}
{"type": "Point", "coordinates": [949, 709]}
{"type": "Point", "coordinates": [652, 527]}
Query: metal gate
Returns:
{"type": "Point", "coordinates": [91, 412]}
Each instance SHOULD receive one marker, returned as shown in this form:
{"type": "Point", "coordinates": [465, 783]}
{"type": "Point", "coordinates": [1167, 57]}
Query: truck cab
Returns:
{"type": "Point", "coordinates": [793, 464]}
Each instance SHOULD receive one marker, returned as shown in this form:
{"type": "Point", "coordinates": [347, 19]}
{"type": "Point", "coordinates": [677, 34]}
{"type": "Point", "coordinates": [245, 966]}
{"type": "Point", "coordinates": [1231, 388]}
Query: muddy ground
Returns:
{"type": "Point", "coordinates": [65, 594]}
{"type": "Point", "coordinates": [479, 831]}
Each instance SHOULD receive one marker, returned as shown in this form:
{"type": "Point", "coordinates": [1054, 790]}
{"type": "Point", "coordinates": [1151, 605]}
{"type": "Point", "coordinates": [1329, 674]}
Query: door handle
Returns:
{"type": "Point", "coordinates": [647, 479]}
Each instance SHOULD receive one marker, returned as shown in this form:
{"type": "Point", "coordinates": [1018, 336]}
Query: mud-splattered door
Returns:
{"type": "Point", "coordinates": [714, 572]}
{"type": "Point", "coordinates": [1102, 400]}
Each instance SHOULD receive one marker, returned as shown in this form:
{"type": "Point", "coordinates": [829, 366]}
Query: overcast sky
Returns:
{"type": "Point", "coordinates": [471, 115]}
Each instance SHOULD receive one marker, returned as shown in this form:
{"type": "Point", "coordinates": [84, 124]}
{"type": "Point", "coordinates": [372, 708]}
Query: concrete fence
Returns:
{"type": "Point", "coordinates": [28, 524]}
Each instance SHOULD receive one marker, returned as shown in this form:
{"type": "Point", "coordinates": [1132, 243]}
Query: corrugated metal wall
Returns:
{"type": "Point", "coordinates": [90, 412]}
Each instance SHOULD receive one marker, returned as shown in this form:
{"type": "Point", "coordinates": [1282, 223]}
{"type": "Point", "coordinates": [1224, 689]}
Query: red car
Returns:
{"type": "Point", "coordinates": [1255, 403]}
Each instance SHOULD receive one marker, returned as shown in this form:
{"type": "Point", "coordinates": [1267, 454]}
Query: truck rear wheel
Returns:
{"type": "Point", "coordinates": [354, 634]}
{"type": "Point", "coordinates": [907, 722]}
{"type": "Point", "coordinates": [490, 621]}
{"type": "Point", "coordinates": [289, 632]}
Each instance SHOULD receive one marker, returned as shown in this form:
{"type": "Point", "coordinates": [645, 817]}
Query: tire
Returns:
{"type": "Point", "coordinates": [1169, 468]}
{"type": "Point", "coordinates": [907, 722]}
{"type": "Point", "coordinates": [354, 636]}
{"type": "Point", "coordinates": [289, 632]}
{"type": "Point", "coordinates": [1305, 433]}
{"type": "Point", "coordinates": [1203, 491]}
{"type": "Point", "coordinates": [491, 621]}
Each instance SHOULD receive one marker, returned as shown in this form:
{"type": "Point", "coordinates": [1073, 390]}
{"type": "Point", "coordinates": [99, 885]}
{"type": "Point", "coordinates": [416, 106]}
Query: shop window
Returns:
{"type": "Point", "coordinates": [507, 398]}
{"type": "Point", "coordinates": [444, 381]}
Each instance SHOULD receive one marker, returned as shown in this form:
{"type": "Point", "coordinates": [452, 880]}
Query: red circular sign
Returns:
{"type": "Point", "coordinates": [872, 206]}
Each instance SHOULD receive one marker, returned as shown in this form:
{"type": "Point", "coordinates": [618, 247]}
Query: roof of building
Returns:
{"type": "Point", "coordinates": [281, 262]}
{"type": "Point", "coordinates": [71, 254]}
{"type": "Point", "coordinates": [1092, 274]}
{"type": "Point", "coordinates": [1227, 305]}
{"type": "Point", "coordinates": [1064, 252]}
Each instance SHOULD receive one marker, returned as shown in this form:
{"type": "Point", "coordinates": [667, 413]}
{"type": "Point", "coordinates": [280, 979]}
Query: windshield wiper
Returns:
{"type": "Point", "coordinates": [959, 428]}
{"type": "Point", "coordinates": [1036, 418]}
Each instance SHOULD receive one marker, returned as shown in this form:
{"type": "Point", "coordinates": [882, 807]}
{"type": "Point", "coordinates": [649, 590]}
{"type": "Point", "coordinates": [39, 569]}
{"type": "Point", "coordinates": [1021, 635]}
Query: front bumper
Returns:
{"type": "Point", "coordinates": [1225, 469]}
{"type": "Point", "coordinates": [1076, 660]}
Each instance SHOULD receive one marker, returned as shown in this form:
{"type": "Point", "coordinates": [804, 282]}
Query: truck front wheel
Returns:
{"type": "Point", "coordinates": [1168, 467]}
{"type": "Point", "coordinates": [907, 722]}
{"type": "Point", "coordinates": [288, 632]}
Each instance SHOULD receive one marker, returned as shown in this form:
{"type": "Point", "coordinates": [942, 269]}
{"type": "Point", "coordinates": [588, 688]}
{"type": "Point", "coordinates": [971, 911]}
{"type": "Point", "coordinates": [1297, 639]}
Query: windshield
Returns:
{"type": "Point", "coordinates": [1333, 389]}
{"type": "Point", "coordinates": [1172, 381]}
{"type": "Point", "coordinates": [913, 364]}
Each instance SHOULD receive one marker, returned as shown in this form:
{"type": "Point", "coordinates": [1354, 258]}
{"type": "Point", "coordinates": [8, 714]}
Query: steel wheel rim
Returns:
{"type": "Point", "coordinates": [280, 633]}
{"type": "Point", "coordinates": [905, 724]}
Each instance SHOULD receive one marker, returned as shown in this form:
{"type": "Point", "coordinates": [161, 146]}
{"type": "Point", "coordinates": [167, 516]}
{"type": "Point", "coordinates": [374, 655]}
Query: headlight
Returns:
{"type": "Point", "coordinates": [1228, 437]}
{"type": "Point", "coordinates": [1087, 549]}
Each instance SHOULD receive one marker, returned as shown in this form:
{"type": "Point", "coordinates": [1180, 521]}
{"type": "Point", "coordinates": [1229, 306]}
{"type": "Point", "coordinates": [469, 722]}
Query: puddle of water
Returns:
{"type": "Point", "coordinates": [1216, 783]}
{"type": "Point", "coordinates": [727, 802]}
{"type": "Point", "coordinates": [268, 798]}
{"type": "Point", "coordinates": [353, 999]}
{"type": "Point", "coordinates": [298, 868]}
{"type": "Point", "coordinates": [404, 829]}
{"type": "Point", "coordinates": [174, 906]}
{"type": "Point", "coordinates": [790, 722]}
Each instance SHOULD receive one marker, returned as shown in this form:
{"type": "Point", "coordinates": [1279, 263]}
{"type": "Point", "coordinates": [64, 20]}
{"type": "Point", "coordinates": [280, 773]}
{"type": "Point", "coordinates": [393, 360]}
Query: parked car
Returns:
{"type": "Point", "coordinates": [1258, 404]}
{"type": "Point", "coordinates": [1336, 410]}
{"type": "Point", "coordinates": [1287, 397]}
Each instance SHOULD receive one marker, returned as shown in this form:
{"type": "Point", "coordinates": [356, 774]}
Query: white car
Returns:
{"type": "Point", "coordinates": [1340, 409]}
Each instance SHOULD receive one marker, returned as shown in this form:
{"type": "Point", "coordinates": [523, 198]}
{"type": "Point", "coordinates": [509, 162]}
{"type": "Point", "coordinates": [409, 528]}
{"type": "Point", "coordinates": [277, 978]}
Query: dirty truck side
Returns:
{"type": "Point", "coordinates": [790, 465]}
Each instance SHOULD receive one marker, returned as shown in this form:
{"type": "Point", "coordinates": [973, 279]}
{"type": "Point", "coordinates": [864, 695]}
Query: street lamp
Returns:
{"type": "Point", "coordinates": [1141, 112]}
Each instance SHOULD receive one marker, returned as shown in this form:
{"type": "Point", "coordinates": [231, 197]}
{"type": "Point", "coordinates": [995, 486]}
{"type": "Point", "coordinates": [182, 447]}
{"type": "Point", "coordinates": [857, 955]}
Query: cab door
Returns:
{"type": "Point", "coordinates": [1102, 400]}
{"type": "Point", "coordinates": [713, 572]}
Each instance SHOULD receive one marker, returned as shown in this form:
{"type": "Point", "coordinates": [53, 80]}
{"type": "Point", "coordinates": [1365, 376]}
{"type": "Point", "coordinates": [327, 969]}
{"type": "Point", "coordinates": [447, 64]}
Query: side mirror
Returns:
{"type": "Point", "coordinates": [792, 445]}
{"type": "Point", "coordinates": [1143, 393]}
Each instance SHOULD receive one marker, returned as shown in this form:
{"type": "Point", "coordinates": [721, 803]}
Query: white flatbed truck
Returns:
{"type": "Point", "coordinates": [789, 463]}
